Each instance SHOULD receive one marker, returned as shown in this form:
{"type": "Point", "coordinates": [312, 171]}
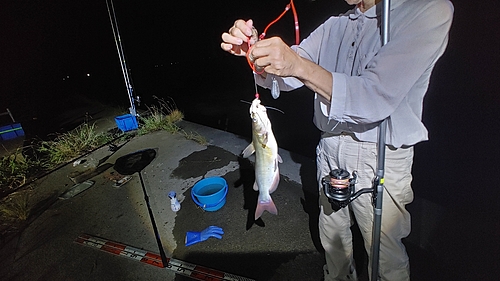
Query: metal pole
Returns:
{"type": "Point", "coordinates": [377, 211]}
{"type": "Point", "coordinates": [121, 55]}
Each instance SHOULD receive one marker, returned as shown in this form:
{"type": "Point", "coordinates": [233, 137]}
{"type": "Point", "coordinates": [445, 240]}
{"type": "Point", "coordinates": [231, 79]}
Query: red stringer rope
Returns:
{"type": "Point", "coordinates": [261, 36]}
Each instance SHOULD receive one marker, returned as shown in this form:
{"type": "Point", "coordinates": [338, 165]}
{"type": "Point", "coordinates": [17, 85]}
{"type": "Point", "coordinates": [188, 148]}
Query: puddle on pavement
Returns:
{"type": "Point", "coordinates": [200, 162]}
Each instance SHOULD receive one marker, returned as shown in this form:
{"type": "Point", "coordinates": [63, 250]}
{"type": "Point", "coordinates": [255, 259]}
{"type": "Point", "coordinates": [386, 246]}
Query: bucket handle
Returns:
{"type": "Point", "coordinates": [209, 205]}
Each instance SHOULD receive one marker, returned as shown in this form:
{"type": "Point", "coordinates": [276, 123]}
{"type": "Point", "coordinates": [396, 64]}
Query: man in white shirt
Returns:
{"type": "Point", "coordinates": [357, 84]}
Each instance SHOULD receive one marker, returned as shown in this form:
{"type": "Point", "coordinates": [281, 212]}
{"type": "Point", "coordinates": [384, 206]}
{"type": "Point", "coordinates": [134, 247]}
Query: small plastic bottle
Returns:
{"type": "Point", "coordinates": [174, 203]}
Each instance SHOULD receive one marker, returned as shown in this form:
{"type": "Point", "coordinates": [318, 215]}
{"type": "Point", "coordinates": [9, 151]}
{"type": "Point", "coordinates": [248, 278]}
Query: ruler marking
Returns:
{"type": "Point", "coordinates": [113, 248]}
{"type": "Point", "coordinates": [133, 253]}
{"type": "Point", "coordinates": [153, 259]}
{"type": "Point", "coordinates": [180, 267]}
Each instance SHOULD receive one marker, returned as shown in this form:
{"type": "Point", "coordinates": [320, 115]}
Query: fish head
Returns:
{"type": "Point", "coordinates": [258, 113]}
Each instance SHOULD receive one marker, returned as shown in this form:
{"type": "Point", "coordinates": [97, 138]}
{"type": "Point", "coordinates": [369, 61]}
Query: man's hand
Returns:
{"type": "Point", "coordinates": [236, 40]}
{"type": "Point", "coordinates": [276, 57]}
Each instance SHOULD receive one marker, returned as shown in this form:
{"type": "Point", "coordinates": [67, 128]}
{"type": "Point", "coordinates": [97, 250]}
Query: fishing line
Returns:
{"type": "Point", "coordinates": [256, 91]}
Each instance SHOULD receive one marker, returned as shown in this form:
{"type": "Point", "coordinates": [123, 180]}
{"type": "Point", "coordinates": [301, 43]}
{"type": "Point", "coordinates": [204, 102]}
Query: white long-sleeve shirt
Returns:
{"type": "Point", "coordinates": [371, 82]}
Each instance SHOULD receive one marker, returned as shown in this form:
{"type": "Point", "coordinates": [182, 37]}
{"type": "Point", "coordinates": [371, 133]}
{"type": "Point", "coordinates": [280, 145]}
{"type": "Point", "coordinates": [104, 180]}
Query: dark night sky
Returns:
{"type": "Point", "coordinates": [172, 49]}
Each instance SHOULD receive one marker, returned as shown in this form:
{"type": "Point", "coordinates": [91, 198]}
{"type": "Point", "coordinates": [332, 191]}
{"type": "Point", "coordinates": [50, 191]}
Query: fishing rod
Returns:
{"type": "Point", "coordinates": [377, 211]}
{"type": "Point", "coordinates": [133, 163]}
{"type": "Point", "coordinates": [121, 55]}
{"type": "Point", "coordinates": [339, 186]}
{"type": "Point", "coordinates": [163, 256]}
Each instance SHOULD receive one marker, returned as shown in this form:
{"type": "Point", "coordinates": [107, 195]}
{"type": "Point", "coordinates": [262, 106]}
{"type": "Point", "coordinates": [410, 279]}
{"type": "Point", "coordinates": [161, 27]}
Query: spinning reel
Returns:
{"type": "Point", "coordinates": [340, 188]}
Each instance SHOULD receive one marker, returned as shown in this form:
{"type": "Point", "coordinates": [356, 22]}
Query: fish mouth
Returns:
{"type": "Point", "coordinates": [256, 117]}
{"type": "Point", "coordinates": [257, 111]}
{"type": "Point", "coordinates": [253, 116]}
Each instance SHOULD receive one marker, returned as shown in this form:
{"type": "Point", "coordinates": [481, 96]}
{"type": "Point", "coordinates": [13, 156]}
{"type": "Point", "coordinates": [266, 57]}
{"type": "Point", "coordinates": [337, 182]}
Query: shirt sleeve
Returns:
{"type": "Point", "coordinates": [417, 40]}
{"type": "Point", "coordinates": [285, 83]}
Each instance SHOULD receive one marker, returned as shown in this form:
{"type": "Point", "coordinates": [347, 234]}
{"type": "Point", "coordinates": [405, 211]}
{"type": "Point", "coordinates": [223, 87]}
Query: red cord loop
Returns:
{"type": "Point", "coordinates": [263, 34]}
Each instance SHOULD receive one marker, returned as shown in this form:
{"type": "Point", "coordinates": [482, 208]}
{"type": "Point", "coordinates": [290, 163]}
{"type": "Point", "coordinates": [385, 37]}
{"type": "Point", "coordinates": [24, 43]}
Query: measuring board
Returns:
{"type": "Point", "coordinates": [180, 267]}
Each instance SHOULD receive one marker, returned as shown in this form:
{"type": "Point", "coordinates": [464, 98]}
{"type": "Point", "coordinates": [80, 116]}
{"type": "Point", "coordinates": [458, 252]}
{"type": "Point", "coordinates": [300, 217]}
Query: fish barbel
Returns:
{"type": "Point", "coordinates": [265, 147]}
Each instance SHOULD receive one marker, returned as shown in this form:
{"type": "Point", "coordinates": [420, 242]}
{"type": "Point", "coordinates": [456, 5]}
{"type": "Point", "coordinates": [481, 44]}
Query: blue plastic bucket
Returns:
{"type": "Point", "coordinates": [210, 193]}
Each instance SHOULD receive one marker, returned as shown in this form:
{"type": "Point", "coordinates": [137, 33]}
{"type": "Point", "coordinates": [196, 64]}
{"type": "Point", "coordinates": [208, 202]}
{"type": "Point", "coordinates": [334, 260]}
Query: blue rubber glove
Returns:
{"type": "Point", "coordinates": [193, 237]}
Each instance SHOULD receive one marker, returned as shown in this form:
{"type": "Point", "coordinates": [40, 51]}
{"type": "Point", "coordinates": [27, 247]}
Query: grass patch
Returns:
{"type": "Point", "coordinates": [163, 116]}
{"type": "Point", "coordinates": [72, 144]}
{"type": "Point", "coordinates": [16, 170]}
{"type": "Point", "coordinates": [13, 170]}
{"type": "Point", "coordinates": [15, 207]}
{"type": "Point", "coordinates": [195, 137]}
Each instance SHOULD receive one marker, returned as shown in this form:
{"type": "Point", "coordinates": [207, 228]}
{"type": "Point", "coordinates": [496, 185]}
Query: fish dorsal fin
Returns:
{"type": "Point", "coordinates": [249, 150]}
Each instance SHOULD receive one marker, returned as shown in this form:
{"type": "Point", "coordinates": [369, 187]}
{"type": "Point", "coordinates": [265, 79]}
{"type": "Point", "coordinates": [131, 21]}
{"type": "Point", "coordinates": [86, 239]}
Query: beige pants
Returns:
{"type": "Point", "coordinates": [349, 154]}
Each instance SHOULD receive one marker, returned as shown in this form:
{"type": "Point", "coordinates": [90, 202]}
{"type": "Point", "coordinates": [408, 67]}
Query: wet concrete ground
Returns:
{"type": "Point", "coordinates": [282, 247]}
{"type": "Point", "coordinates": [274, 248]}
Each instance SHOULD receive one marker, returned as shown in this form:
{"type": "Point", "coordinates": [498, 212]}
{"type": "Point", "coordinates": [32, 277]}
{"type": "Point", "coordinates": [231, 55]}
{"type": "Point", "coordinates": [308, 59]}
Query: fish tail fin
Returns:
{"type": "Point", "coordinates": [265, 206]}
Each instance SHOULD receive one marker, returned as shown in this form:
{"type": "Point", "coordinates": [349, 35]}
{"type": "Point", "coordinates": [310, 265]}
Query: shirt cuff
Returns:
{"type": "Point", "coordinates": [339, 93]}
{"type": "Point", "coordinates": [261, 81]}
{"type": "Point", "coordinates": [285, 83]}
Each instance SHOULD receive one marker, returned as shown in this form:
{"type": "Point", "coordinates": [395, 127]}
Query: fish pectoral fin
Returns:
{"type": "Point", "coordinates": [248, 151]}
{"type": "Point", "coordinates": [279, 159]}
{"type": "Point", "coordinates": [255, 186]}
{"type": "Point", "coordinates": [263, 139]}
